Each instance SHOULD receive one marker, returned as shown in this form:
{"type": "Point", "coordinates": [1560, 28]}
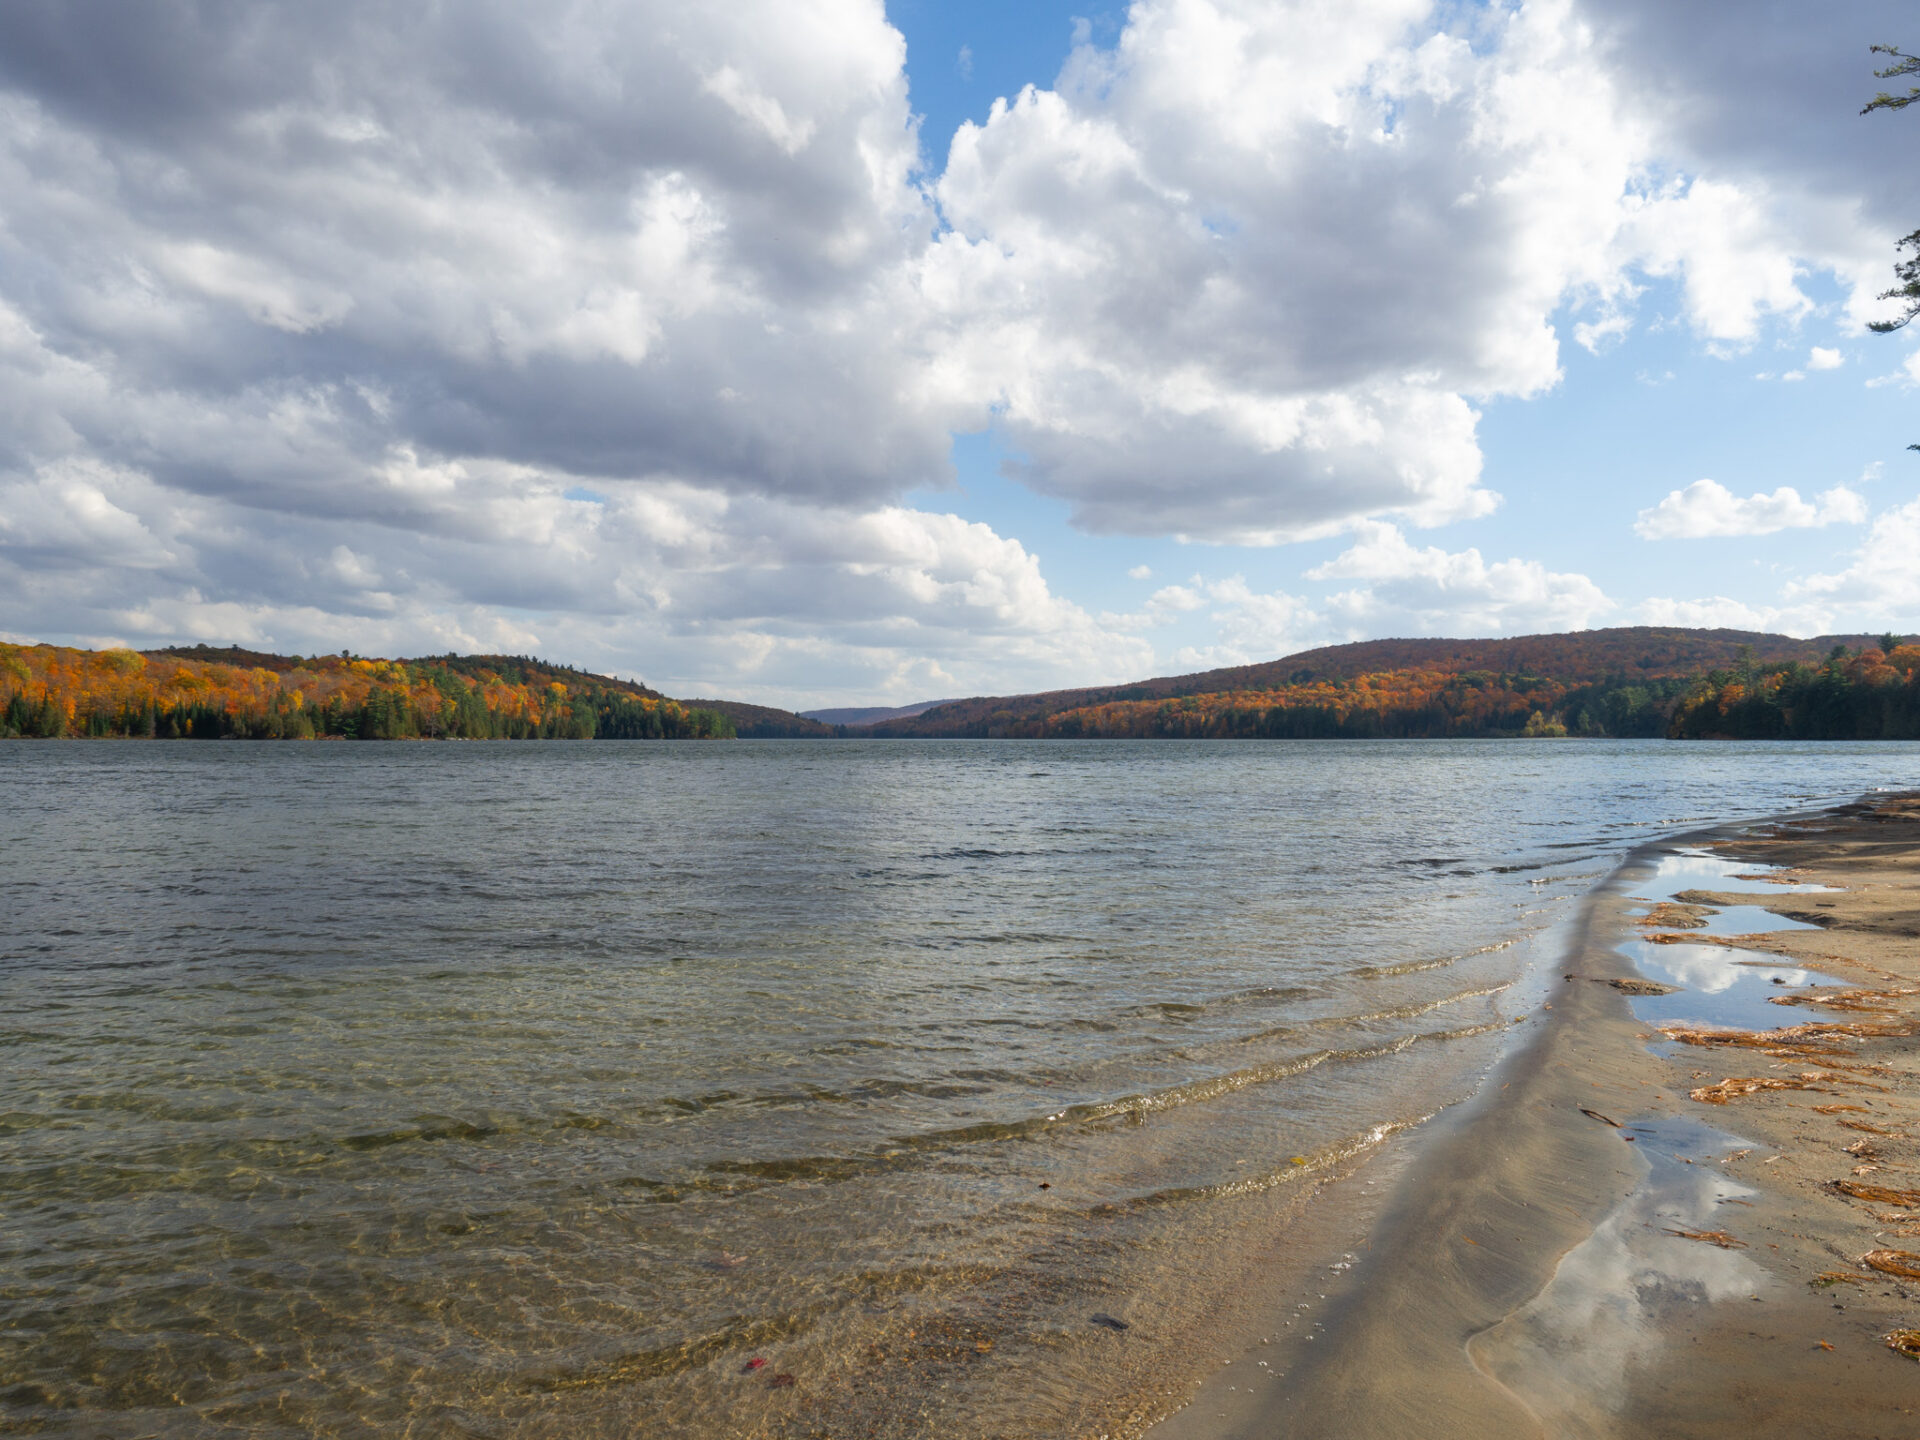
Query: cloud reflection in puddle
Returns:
{"type": "Point", "coordinates": [1614, 1298]}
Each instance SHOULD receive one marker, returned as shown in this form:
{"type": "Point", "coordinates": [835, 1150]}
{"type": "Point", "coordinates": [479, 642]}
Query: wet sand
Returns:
{"type": "Point", "coordinates": [1680, 1208]}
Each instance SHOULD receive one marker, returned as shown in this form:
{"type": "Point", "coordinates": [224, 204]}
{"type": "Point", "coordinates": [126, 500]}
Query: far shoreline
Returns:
{"type": "Point", "coordinates": [1627, 683]}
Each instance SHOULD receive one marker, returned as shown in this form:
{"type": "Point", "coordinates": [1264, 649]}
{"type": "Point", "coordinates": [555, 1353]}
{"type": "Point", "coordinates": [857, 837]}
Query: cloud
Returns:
{"type": "Point", "coordinates": [1882, 585]}
{"type": "Point", "coordinates": [1907, 375]}
{"type": "Point", "coordinates": [1878, 588]}
{"type": "Point", "coordinates": [1254, 625]}
{"type": "Point", "coordinates": [309, 330]}
{"type": "Point", "coordinates": [1769, 170]}
{"type": "Point", "coordinates": [1707, 508]}
{"type": "Point", "coordinates": [1171, 270]}
{"type": "Point", "coordinates": [486, 234]}
{"type": "Point", "coordinates": [1433, 591]}
{"type": "Point", "coordinates": [1403, 590]}
{"type": "Point", "coordinates": [1140, 572]}
{"type": "Point", "coordinates": [1718, 612]}
{"type": "Point", "coordinates": [620, 329]}
{"type": "Point", "coordinates": [693, 589]}
{"type": "Point", "coordinates": [1734, 256]}
{"type": "Point", "coordinates": [1165, 606]}
{"type": "Point", "coordinates": [1821, 358]}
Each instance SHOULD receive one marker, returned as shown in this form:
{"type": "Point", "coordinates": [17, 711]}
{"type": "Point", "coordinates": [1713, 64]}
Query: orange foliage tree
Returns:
{"type": "Point", "coordinates": [50, 690]}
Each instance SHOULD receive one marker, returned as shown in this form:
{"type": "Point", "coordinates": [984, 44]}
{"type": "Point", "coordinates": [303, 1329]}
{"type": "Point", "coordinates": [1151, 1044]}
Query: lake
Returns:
{"type": "Point", "coordinates": [542, 1088]}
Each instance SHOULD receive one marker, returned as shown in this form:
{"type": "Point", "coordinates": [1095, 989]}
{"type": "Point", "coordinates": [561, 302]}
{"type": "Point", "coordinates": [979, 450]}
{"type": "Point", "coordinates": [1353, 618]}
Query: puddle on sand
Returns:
{"type": "Point", "coordinates": [1719, 985]}
{"type": "Point", "coordinates": [1697, 870]}
{"type": "Point", "coordinates": [1616, 1298]}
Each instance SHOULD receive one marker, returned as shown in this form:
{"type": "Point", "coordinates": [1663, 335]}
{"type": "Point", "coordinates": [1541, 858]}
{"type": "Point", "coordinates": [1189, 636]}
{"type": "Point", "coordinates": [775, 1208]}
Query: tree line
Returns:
{"type": "Point", "coordinates": [1863, 693]}
{"type": "Point", "coordinates": [1866, 694]}
{"type": "Point", "coordinates": [51, 691]}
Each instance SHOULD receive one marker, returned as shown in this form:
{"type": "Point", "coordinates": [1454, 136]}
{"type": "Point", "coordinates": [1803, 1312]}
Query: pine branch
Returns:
{"type": "Point", "coordinates": [1907, 272]}
{"type": "Point", "coordinates": [1904, 64]}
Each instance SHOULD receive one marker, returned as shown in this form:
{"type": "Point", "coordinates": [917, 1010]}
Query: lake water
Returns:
{"type": "Point", "coordinates": [540, 1089]}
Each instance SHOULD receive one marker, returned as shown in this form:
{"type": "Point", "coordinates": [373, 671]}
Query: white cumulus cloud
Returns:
{"type": "Point", "coordinates": [1433, 591]}
{"type": "Point", "coordinates": [1878, 589]}
{"type": "Point", "coordinates": [1707, 508]}
{"type": "Point", "coordinates": [1882, 585]}
{"type": "Point", "coordinates": [1720, 612]}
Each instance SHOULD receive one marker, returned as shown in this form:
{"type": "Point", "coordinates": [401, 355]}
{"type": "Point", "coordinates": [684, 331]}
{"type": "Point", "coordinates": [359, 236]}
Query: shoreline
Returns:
{"type": "Point", "coordinates": [1536, 1272]}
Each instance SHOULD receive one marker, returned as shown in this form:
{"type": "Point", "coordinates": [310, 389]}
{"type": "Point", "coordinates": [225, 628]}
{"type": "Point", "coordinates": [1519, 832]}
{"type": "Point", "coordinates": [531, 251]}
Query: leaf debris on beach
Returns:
{"type": "Point", "coordinates": [1903, 1263]}
{"type": "Point", "coordinates": [1878, 1194]}
{"type": "Point", "coordinates": [1720, 1092]}
{"type": "Point", "coordinates": [1710, 1237]}
{"type": "Point", "coordinates": [1790, 1041]}
{"type": "Point", "coordinates": [1871, 1129]}
{"type": "Point", "coordinates": [1859, 1002]}
{"type": "Point", "coordinates": [1907, 1342]}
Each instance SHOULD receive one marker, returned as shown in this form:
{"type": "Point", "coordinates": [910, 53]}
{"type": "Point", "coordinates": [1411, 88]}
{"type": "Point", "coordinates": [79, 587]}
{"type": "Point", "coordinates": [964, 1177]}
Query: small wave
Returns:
{"type": "Point", "coordinates": [1232, 1000]}
{"type": "Point", "coordinates": [424, 1127]}
{"type": "Point", "coordinates": [852, 1045]}
{"type": "Point", "coordinates": [14, 1122]}
{"type": "Point", "coordinates": [636, 1366]}
{"type": "Point", "coordinates": [1409, 1011]}
{"type": "Point", "coordinates": [1319, 1160]}
{"type": "Point", "coordinates": [1410, 967]}
{"type": "Point", "coordinates": [725, 1175]}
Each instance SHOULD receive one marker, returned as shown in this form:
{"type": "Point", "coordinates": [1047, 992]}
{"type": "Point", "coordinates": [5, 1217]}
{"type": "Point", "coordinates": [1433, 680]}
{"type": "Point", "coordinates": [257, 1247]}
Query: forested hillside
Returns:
{"type": "Point", "coordinates": [48, 690]}
{"type": "Point", "coordinates": [1870, 695]}
{"type": "Point", "coordinates": [1625, 682]}
{"type": "Point", "coordinates": [763, 722]}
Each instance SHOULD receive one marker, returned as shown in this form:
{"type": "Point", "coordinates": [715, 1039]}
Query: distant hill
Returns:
{"type": "Point", "coordinates": [228, 655]}
{"type": "Point", "coordinates": [205, 693]}
{"type": "Point", "coordinates": [871, 714]}
{"type": "Point", "coordinates": [524, 669]}
{"type": "Point", "coordinates": [1629, 681]}
{"type": "Point", "coordinates": [757, 722]}
{"type": "Point", "coordinates": [763, 722]}
{"type": "Point", "coordinates": [1581, 657]}
{"type": "Point", "coordinates": [517, 669]}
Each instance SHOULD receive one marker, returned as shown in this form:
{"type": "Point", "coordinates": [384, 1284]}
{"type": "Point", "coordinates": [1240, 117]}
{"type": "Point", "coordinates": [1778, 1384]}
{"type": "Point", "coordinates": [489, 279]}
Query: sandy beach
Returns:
{"type": "Point", "coordinates": [1683, 1207]}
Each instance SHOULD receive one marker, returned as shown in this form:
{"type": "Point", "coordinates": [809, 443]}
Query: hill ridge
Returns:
{"type": "Point", "coordinates": [1653, 651]}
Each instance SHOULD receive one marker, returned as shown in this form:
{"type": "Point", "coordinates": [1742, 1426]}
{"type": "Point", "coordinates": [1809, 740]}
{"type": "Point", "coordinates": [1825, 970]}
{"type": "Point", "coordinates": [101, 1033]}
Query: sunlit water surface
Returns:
{"type": "Point", "coordinates": [530, 1089]}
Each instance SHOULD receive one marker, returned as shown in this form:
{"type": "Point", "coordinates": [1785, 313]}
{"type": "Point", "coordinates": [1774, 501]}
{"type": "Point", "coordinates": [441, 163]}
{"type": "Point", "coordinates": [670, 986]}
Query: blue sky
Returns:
{"type": "Point", "coordinates": [821, 352]}
{"type": "Point", "coordinates": [1625, 427]}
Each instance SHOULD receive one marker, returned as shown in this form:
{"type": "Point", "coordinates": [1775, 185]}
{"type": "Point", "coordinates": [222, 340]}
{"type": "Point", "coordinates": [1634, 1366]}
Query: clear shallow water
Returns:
{"type": "Point", "coordinates": [536, 1089]}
